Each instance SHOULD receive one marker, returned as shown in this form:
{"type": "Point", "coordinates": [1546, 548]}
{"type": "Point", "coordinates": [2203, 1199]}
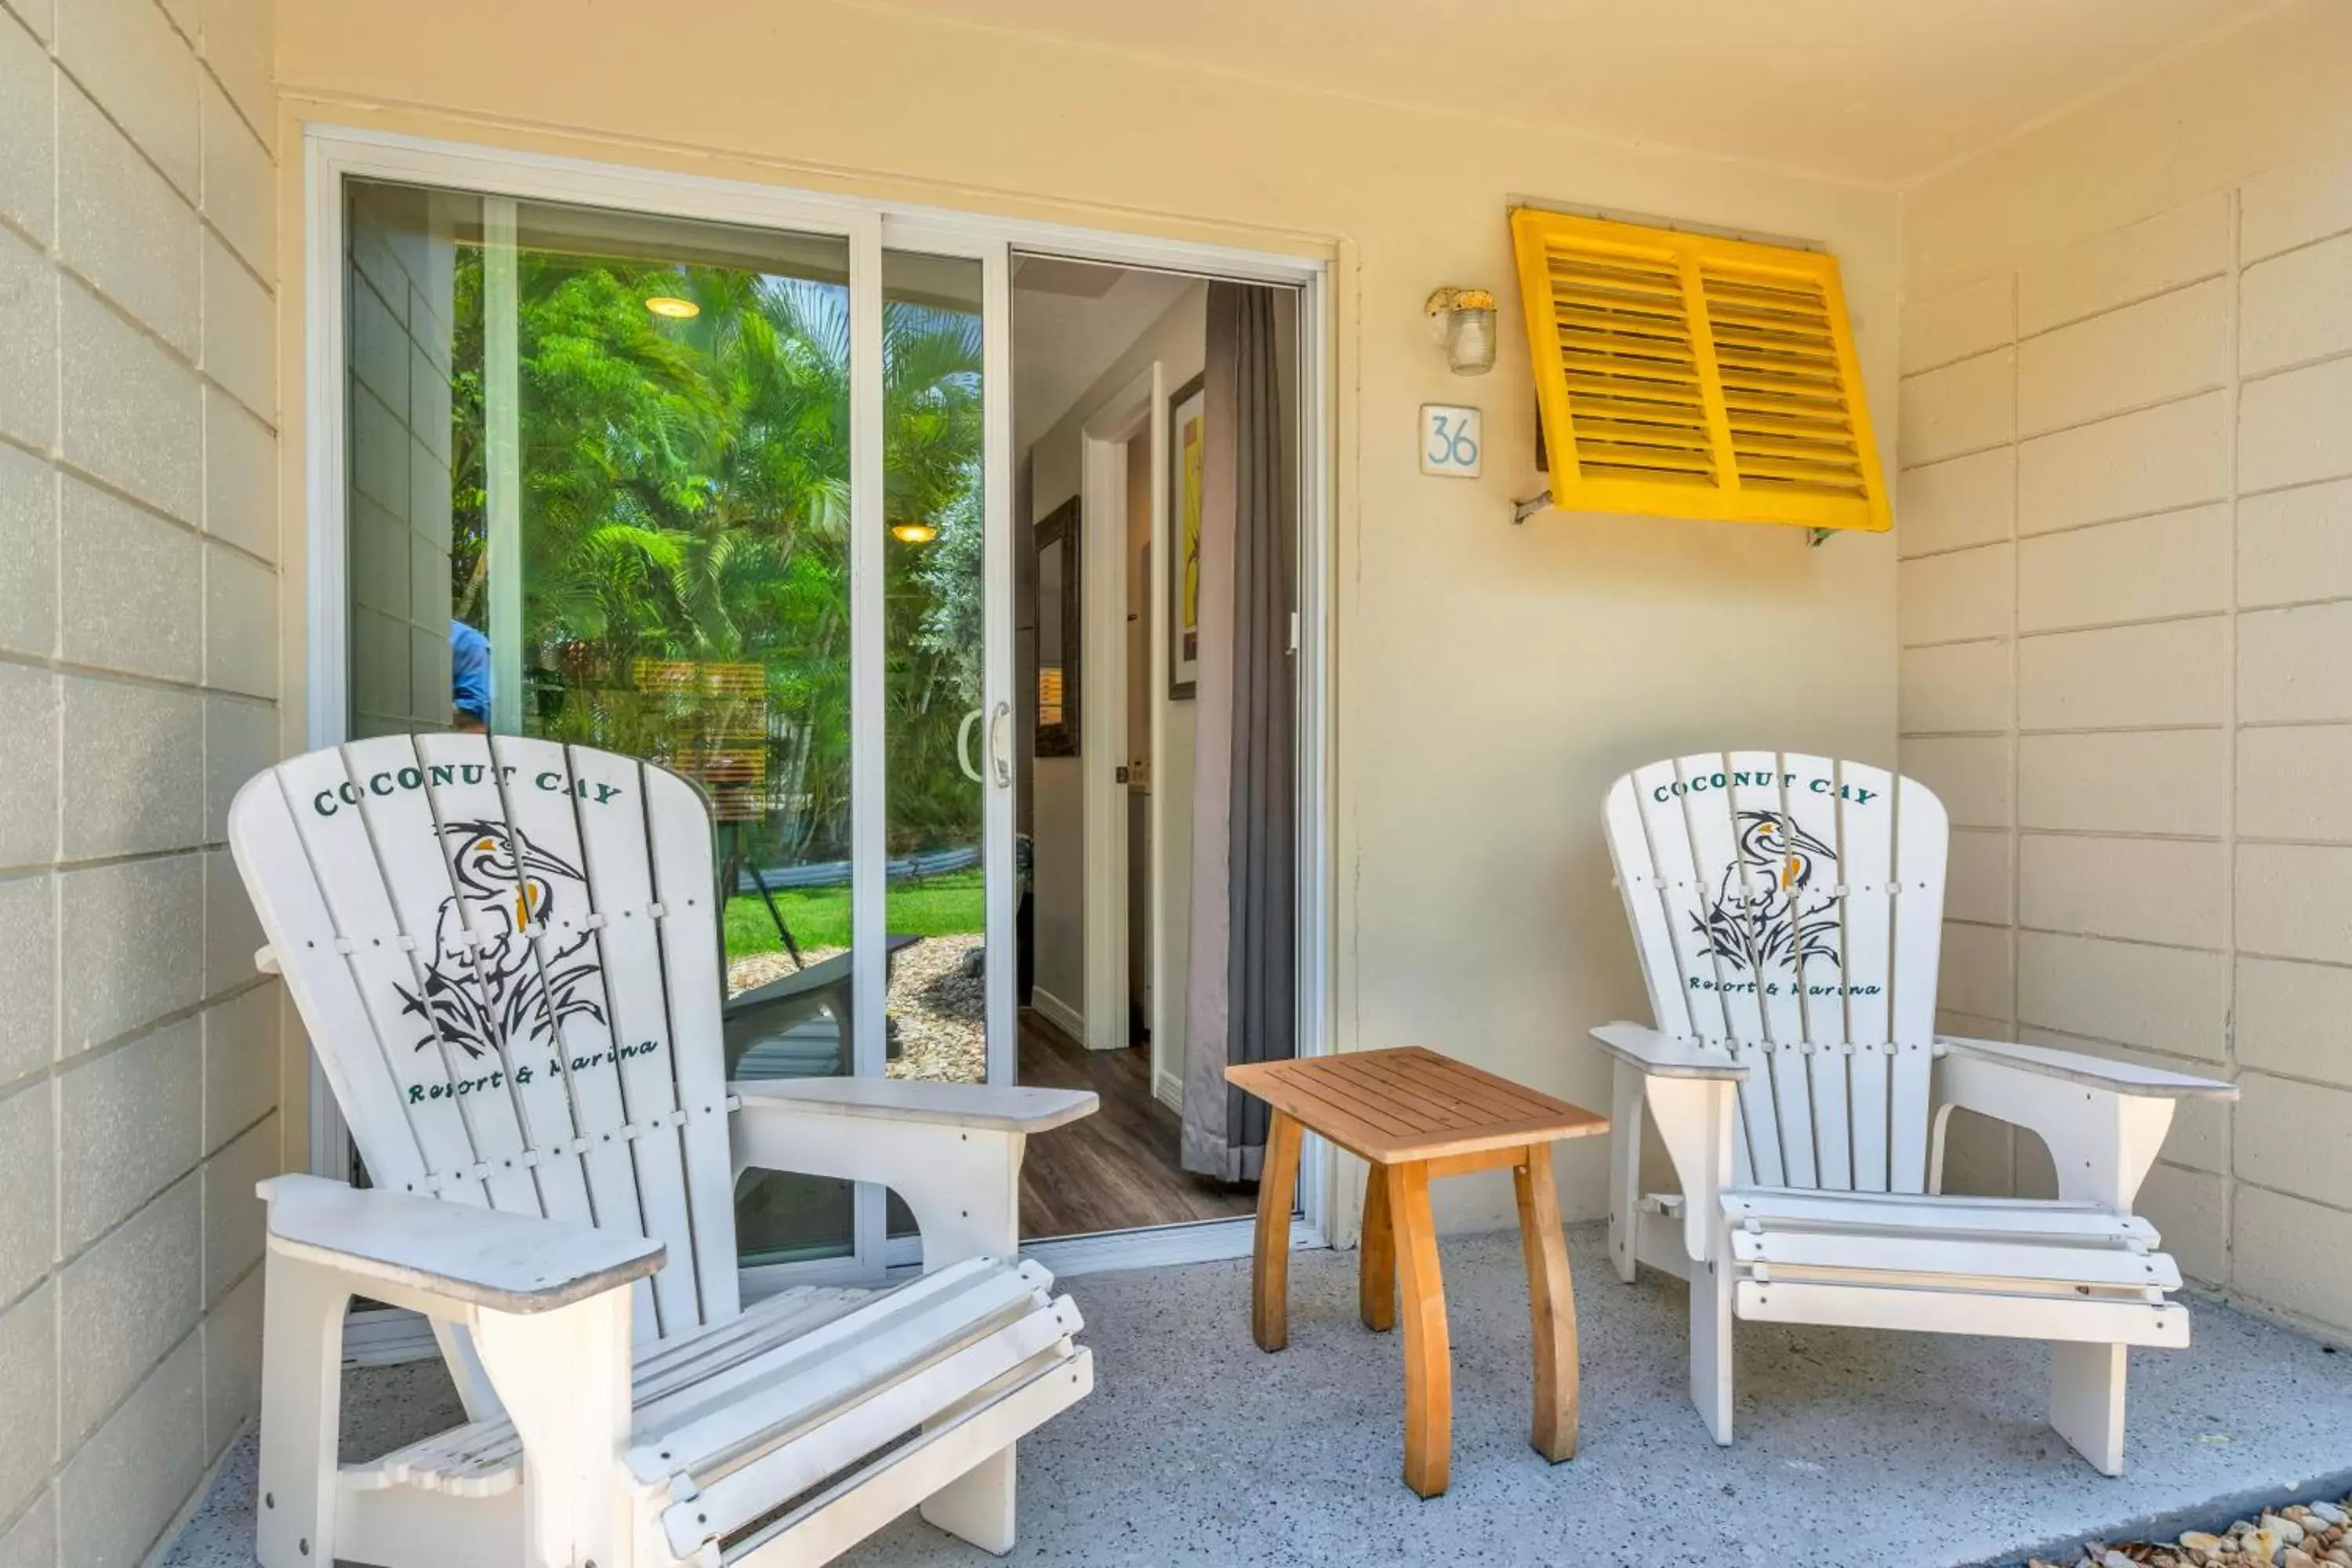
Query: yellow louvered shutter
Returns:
{"type": "Point", "coordinates": [1682, 375]}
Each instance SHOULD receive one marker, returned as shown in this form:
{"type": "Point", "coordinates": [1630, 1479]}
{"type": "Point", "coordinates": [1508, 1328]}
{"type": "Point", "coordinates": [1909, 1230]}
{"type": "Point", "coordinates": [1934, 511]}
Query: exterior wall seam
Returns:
{"type": "Point", "coordinates": [113, 491]}
{"type": "Point", "coordinates": [2234, 211]}
{"type": "Point", "coordinates": [82, 670]}
{"type": "Point", "coordinates": [2075, 627]}
{"type": "Point", "coordinates": [2061, 324]}
{"type": "Point", "coordinates": [2014, 847]}
{"type": "Point", "coordinates": [2273, 372]}
{"type": "Point", "coordinates": [2204, 389]}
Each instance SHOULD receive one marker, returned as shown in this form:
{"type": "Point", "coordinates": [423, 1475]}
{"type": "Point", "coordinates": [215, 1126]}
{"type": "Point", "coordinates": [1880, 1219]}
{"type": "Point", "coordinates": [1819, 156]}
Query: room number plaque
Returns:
{"type": "Point", "coordinates": [1449, 440]}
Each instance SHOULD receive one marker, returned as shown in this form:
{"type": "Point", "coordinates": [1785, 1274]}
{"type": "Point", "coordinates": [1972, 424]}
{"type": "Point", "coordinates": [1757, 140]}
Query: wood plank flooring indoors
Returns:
{"type": "Point", "coordinates": [1116, 1170]}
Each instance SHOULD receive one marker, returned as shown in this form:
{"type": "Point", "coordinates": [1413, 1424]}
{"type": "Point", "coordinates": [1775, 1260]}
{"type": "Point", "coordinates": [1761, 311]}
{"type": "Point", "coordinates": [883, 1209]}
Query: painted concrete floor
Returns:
{"type": "Point", "coordinates": [1856, 1449]}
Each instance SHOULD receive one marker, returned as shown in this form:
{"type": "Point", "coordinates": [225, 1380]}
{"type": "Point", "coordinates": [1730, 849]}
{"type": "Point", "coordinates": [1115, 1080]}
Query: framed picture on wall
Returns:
{"type": "Point", "coordinates": [1188, 430]}
{"type": "Point", "coordinates": [1058, 631]}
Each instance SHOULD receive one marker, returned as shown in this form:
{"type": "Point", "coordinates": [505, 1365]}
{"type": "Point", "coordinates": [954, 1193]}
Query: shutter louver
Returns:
{"type": "Point", "coordinates": [1683, 375]}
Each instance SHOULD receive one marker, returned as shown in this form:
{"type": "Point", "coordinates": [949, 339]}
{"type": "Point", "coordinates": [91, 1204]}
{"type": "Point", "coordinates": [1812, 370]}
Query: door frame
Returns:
{"type": "Point", "coordinates": [1103, 715]}
{"type": "Point", "coordinates": [332, 152]}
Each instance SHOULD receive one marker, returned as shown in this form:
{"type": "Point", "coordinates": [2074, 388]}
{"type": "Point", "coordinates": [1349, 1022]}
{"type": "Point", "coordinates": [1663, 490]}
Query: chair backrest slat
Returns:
{"type": "Point", "coordinates": [475, 930]}
{"type": "Point", "coordinates": [1922, 844]}
{"type": "Point", "coordinates": [1756, 791]}
{"type": "Point", "coordinates": [1815, 815]}
{"type": "Point", "coordinates": [1787, 909]}
{"type": "Point", "coordinates": [1866, 824]}
{"type": "Point", "coordinates": [677, 827]}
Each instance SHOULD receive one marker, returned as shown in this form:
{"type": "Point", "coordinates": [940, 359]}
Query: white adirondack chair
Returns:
{"type": "Point", "coordinates": [505, 953]}
{"type": "Point", "coordinates": [1788, 911]}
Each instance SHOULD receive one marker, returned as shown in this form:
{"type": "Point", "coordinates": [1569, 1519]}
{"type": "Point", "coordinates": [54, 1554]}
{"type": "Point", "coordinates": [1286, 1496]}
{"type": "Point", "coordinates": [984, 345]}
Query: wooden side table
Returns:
{"type": "Point", "coordinates": [1415, 1115]}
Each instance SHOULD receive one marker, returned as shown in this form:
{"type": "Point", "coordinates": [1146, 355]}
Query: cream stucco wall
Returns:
{"type": "Point", "coordinates": [2125, 611]}
{"type": "Point", "coordinates": [1490, 680]}
{"type": "Point", "coordinates": [140, 1068]}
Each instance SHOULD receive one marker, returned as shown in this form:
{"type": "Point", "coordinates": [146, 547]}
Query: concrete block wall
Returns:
{"type": "Point", "coordinates": [2126, 617]}
{"type": "Point", "coordinates": [140, 1065]}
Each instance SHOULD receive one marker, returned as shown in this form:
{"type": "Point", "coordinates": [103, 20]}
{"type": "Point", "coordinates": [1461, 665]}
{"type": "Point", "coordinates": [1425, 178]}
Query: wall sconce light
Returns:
{"type": "Point", "coordinates": [1464, 320]}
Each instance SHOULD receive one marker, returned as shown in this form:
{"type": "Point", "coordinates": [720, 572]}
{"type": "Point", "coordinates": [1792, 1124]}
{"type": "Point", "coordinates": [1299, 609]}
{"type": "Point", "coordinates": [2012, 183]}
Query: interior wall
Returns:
{"type": "Point", "coordinates": [2125, 612]}
{"type": "Point", "coordinates": [140, 1070]}
{"type": "Point", "coordinates": [1488, 681]}
{"type": "Point", "coordinates": [1178, 340]}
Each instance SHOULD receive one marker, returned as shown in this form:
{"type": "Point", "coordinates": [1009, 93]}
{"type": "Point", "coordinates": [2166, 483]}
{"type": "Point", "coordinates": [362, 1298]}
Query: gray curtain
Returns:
{"type": "Point", "coordinates": [1241, 1002]}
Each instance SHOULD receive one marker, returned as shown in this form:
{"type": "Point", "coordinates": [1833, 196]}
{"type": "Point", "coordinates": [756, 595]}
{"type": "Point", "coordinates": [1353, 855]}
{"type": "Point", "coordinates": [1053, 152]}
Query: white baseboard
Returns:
{"type": "Point", "coordinates": [1199, 1241]}
{"type": "Point", "coordinates": [1168, 1090]}
{"type": "Point", "coordinates": [1060, 1014]}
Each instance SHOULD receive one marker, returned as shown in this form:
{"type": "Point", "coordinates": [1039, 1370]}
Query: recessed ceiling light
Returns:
{"type": "Point", "coordinates": [670, 305]}
{"type": "Point", "coordinates": [913, 532]}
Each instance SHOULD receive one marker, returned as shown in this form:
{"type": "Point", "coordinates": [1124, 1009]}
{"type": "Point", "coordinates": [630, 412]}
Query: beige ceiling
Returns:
{"type": "Point", "coordinates": [1880, 91]}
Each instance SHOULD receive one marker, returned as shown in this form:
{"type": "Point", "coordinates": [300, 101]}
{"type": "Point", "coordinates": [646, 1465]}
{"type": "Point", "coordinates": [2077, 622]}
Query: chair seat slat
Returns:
{"type": "Point", "coordinates": [1965, 1311]}
{"type": "Point", "coordinates": [2078, 1260]}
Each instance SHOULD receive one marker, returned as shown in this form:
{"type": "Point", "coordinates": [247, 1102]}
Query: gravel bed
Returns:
{"type": "Point", "coordinates": [2306, 1535]}
{"type": "Point", "coordinates": [938, 1009]}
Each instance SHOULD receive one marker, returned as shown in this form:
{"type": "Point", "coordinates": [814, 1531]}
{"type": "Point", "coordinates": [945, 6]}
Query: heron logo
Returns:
{"type": "Point", "coordinates": [1775, 905]}
{"type": "Point", "coordinates": [493, 978]}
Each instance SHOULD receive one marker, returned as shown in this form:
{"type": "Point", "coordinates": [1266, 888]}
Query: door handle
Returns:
{"type": "Point", "coordinates": [999, 757]}
{"type": "Point", "coordinates": [963, 746]}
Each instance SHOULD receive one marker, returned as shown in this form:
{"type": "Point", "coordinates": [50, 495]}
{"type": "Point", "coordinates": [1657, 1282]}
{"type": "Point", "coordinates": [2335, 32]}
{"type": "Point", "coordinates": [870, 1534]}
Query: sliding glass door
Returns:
{"type": "Point", "coordinates": [729, 498]}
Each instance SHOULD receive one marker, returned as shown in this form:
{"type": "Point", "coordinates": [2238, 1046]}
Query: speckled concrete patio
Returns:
{"type": "Point", "coordinates": [1856, 1449]}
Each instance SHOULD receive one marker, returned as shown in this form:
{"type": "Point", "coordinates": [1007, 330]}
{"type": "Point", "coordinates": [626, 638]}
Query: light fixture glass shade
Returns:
{"type": "Point", "coordinates": [913, 532]}
{"type": "Point", "coordinates": [671, 306]}
{"type": "Point", "coordinates": [1470, 340]}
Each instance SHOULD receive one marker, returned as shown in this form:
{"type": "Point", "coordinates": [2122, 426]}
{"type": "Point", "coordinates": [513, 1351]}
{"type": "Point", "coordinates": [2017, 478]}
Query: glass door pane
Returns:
{"type": "Point", "coordinates": [934, 680]}
{"type": "Point", "coordinates": [599, 492]}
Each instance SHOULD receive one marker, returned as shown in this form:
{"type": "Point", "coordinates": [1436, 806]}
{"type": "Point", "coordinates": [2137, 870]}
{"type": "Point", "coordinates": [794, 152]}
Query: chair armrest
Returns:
{"type": "Point", "coordinates": [1663, 1055]}
{"type": "Point", "coordinates": [1689, 1094]}
{"type": "Point", "coordinates": [2093, 1072]}
{"type": "Point", "coordinates": [2103, 1120]}
{"type": "Point", "coordinates": [951, 1150]}
{"type": "Point", "coordinates": [968, 1106]}
{"type": "Point", "coordinates": [402, 1246]}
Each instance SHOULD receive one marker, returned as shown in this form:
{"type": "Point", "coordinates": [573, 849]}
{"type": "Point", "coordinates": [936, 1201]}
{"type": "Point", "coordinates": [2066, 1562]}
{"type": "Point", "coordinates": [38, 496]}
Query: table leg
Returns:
{"type": "Point", "coordinates": [1376, 1268]}
{"type": "Point", "coordinates": [1277, 1188]}
{"type": "Point", "coordinates": [1428, 1353]}
{"type": "Point", "coordinates": [1551, 1305]}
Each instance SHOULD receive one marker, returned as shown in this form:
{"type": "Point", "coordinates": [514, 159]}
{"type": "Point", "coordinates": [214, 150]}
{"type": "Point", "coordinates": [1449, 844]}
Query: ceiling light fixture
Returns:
{"type": "Point", "coordinates": [671, 306]}
{"type": "Point", "coordinates": [913, 532]}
